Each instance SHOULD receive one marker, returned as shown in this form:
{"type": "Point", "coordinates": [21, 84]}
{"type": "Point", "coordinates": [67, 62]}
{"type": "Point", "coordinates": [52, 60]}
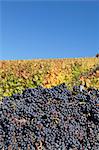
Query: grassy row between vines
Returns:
{"type": "Point", "coordinates": [16, 75]}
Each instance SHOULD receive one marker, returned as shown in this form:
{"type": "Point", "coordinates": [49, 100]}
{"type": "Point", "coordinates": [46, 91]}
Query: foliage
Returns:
{"type": "Point", "coordinates": [17, 75]}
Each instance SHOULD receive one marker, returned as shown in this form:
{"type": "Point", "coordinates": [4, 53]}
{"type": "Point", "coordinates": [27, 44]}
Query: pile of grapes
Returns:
{"type": "Point", "coordinates": [50, 119]}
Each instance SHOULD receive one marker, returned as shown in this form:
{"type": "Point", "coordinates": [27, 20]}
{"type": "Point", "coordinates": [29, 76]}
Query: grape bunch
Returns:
{"type": "Point", "coordinates": [50, 119]}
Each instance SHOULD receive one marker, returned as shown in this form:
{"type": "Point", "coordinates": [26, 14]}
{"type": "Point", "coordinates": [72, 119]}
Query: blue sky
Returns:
{"type": "Point", "coordinates": [48, 29]}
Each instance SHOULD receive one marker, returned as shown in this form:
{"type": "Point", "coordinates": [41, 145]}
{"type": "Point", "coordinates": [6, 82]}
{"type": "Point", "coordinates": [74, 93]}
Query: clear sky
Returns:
{"type": "Point", "coordinates": [48, 29]}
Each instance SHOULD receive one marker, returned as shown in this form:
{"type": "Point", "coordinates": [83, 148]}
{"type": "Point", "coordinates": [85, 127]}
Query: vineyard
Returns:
{"type": "Point", "coordinates": [43, 107]}
{"type": "Point", "coordinates": [17, 75]}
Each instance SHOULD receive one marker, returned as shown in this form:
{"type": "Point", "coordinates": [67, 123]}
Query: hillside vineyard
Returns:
{"type": "Point", "coordinates": [17, 75]}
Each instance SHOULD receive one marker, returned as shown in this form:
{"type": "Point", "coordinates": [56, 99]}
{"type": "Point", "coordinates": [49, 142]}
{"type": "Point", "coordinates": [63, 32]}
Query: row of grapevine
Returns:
{"type": "Point", "coordinates": [17, 75]}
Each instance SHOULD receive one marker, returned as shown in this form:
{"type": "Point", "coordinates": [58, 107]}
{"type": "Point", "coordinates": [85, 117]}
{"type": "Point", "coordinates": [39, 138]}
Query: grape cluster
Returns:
{"type": "Point", "coordinates": [50, 119]}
